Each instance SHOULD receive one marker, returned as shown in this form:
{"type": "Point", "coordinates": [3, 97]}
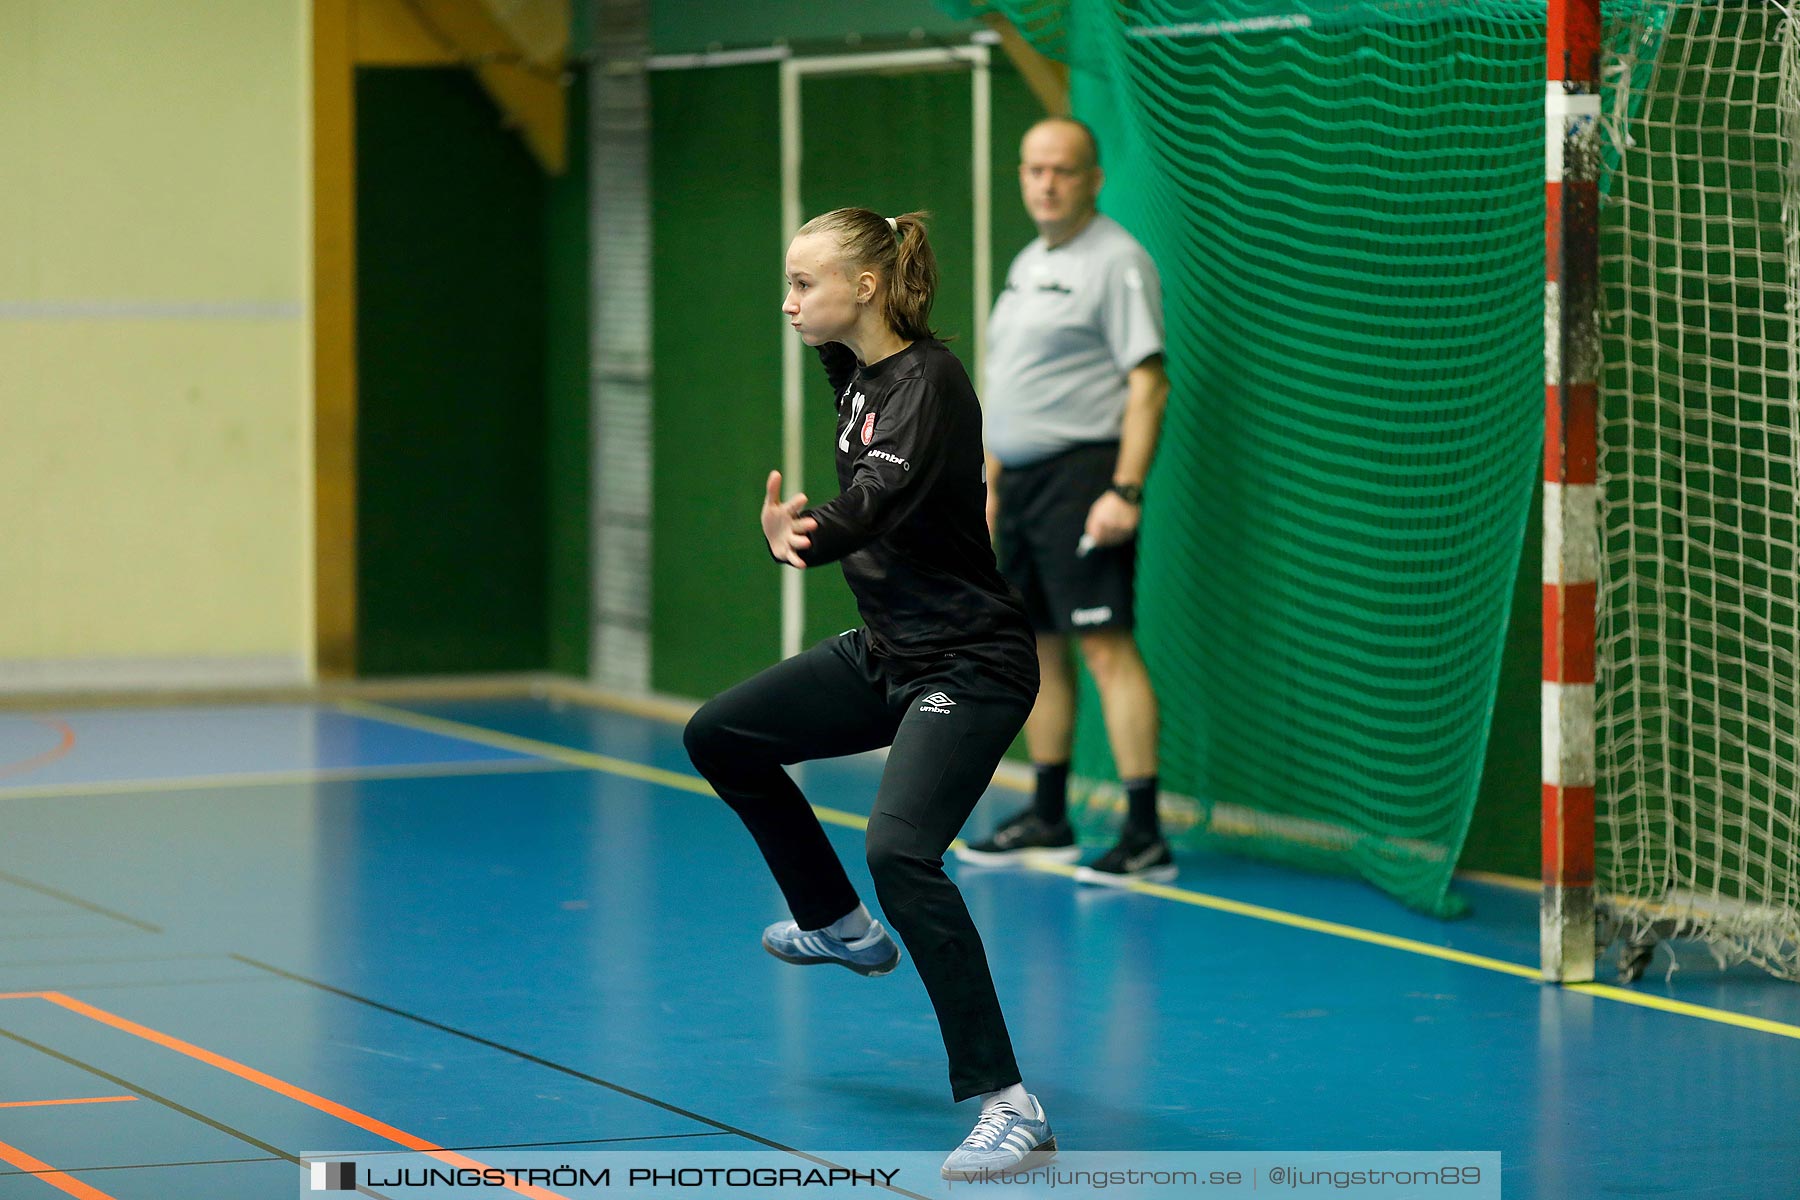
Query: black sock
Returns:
{"type": "Point", "coordinates": [1051, 800]}
{"type": "Point", "coordinates": [1140, 807]}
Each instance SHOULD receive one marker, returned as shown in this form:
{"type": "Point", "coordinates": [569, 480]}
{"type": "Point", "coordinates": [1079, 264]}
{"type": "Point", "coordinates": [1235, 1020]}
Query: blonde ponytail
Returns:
{"type": "Point", "coordinates": [912, 284]}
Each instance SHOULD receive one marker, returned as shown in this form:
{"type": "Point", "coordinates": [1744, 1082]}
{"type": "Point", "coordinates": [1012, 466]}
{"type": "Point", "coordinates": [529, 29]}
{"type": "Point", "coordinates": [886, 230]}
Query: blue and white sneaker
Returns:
{"type": "Point", "coordinates": [1004, 1140]}
{"type": "Point", "coordinates": [874, 953]}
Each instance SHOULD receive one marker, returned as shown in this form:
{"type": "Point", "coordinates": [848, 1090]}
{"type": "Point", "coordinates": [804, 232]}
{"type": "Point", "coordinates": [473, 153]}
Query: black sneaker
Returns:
{"type": "Point", "coordinates": [1026, 837]}
{"type": "Point", "coordinates": [1136, 857]}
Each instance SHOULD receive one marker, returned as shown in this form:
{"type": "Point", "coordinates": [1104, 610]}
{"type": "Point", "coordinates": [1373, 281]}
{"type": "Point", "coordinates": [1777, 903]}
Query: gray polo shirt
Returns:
{"type": "Point", "coordinates": [1068, 328]}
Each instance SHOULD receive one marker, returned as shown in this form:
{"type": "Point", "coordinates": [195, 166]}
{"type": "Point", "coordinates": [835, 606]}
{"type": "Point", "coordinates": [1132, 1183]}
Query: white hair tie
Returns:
{"type": "Point", "coordinates": [894, 225]}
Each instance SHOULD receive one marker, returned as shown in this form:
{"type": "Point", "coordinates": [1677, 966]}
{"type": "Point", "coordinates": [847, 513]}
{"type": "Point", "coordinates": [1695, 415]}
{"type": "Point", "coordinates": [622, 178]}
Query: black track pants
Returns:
{"type": "Point", "coordinates": [948, 725]}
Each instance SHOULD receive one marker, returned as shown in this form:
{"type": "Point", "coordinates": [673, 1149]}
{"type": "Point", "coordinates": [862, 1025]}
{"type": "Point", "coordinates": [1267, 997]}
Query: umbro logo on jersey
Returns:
{"type": "Point", "coordinates": [893, 458]}
{"type": "Point", "coordinates": [1090, 616]}
{"type": "Point", "coordinates": [937, 702]}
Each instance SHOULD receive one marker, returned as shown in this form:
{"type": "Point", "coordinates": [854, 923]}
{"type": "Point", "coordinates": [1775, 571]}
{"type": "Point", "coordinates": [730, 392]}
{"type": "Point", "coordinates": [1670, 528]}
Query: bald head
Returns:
{"type": "Point", "coordinates": [1059, 176]}
{"type": "Point", "coordinates": [1064, 128]}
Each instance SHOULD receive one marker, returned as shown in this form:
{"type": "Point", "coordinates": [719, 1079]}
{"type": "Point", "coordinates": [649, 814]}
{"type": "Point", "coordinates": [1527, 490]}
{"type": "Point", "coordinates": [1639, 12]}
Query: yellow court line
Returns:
{"type": "Point", "coordinates": [1012, 775]}
{"type": "Point", "coordinates": [1257, 912]}
{"type": "Point", "coordinates": [247, 779]}
{"type": "Point", "coordinates": [522, 745]}
{"type": "Point", "coordinates": [1276, 916]}
{"type": "Point", "coordinates": [1517, 883]}
{"type": "Point", "coordinates": [566, 754]}
{"type": "Point", "coordinates": [659, 708]}
{"type": "Point", "coordinates": [1682, 1008]}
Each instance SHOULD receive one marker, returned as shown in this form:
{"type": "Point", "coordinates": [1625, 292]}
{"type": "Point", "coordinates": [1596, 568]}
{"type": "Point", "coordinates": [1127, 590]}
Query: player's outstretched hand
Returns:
{"type": "Point", "coordinates": [783, 525]}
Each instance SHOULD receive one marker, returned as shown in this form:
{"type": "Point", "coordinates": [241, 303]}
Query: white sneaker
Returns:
{"type": "Point", "coordinates": [1004, 1140]}
{"type": "Point", "coordinates": [874, 953]}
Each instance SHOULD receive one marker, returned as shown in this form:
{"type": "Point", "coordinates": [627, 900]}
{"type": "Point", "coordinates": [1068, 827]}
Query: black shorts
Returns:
{"type": "Point", "coordinates": [1043, 512]}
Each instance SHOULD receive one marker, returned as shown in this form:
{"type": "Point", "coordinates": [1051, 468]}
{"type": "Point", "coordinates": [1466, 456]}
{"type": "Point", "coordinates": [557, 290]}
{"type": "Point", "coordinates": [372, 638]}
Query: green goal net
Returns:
{"type": "Point", "coordinates": [1698, 642]}
{"type": "Point", "coordinates": [1347, 203]}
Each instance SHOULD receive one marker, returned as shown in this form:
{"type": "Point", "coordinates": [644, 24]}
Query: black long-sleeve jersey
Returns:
{"type": "Point", "coordinates": [909, 524]}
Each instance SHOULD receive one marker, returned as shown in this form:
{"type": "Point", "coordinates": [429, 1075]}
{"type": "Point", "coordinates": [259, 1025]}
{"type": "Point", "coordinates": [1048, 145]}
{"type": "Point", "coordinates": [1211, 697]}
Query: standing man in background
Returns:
{"type": "Point", "coordinates": [1074, 397]}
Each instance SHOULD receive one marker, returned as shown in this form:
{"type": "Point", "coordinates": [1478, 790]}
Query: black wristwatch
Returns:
{"type": "Point", "coordinates": [1130, 493]}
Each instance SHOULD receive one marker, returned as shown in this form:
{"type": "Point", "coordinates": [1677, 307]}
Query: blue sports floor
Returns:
{"type": "Point", "coordinates": [231, 936]}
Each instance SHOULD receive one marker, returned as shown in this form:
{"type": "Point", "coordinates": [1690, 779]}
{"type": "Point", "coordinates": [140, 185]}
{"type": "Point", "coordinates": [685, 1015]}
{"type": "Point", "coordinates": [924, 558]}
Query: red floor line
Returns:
{"type": "Point", "coordinates": [73, 1100]}
{"type": "Point", "coordinates": [47, 757]}
{"type": "Point", "coordinates": [50, 1175]}
{"type": "Point", "coordinates": [279, 1086]}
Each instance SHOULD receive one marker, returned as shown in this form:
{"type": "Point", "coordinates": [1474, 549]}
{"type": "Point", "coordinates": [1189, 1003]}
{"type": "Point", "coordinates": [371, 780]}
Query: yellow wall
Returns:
{"type": "Point", "coordinates": [155, 342]}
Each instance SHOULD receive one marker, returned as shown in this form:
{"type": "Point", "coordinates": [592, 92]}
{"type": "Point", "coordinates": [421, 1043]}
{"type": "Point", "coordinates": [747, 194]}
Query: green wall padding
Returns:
{"type": "Point", "coordinates": [451, 347]}
{"type": "Point", "coordinates": [716, 276]}
{"type": "Point", "coordinates": [854, 153]}
{"type": "Point", "coordinates": [568, 451]}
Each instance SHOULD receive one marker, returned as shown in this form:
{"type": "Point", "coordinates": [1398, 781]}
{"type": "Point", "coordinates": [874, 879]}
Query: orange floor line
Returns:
{"type": "Point", "coordinates": [279, 1086]}
{"type": "Point", "coordinates": [75, 1100]}
{"type": "Point", "coordinates": [50, 1175]}
{"type": "Point", "coordinates": [66, 744]}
